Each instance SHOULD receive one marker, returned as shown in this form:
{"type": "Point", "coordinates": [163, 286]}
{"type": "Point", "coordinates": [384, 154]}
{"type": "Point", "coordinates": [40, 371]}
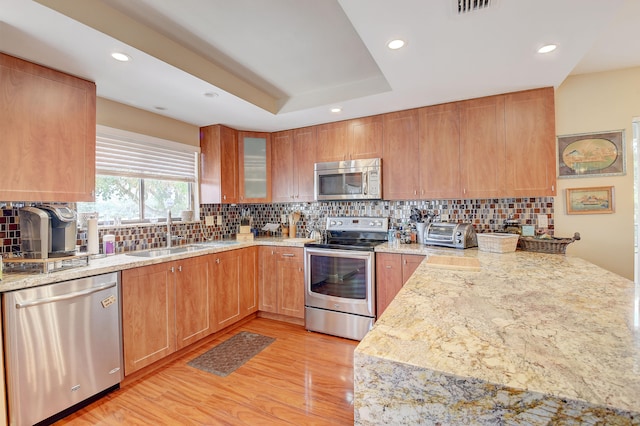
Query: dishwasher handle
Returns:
{"type": "Point", "coordinates": [67, 296]}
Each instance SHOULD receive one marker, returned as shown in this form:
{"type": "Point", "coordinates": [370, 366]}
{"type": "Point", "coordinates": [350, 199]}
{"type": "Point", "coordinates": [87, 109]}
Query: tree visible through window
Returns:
{"type": "Point", "coordinates": [140, 178]}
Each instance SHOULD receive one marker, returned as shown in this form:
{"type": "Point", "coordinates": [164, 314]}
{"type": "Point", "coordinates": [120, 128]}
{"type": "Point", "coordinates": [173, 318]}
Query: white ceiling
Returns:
{"type": "Point", "coordinates": [281, 64]}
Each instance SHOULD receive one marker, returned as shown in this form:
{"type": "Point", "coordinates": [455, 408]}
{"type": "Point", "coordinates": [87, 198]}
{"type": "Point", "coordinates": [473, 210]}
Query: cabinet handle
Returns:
{"type": "Point", "coordinates": [288, 255]}
{"type": "Point", "coordinates": [218, 260]}
{"type": "Point", "coordinates": [180, 268]}
{"type": "Point", "coordinates": [173, 270]}
{"type": "Point", "coordinates": [388, 266]}
{"type": "Point", "coordinates": [553, 187]}
{"type": "Point", "coordinates": [224, 197]}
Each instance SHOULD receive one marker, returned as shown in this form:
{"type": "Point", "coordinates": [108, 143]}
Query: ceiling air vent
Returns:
{"type": "Point", "coordinates": [466, 7]}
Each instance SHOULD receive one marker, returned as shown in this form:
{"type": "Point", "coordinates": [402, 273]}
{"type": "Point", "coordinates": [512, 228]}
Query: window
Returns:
{"type": "Point", "coordinates": [139, 178]}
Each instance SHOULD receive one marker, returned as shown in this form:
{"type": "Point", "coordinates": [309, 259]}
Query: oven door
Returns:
{"type": "Point", "coordinates": [340, 280]}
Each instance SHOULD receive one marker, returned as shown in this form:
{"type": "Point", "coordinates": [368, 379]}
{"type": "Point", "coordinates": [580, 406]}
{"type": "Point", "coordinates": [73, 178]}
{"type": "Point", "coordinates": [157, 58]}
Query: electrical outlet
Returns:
{"type": "Point", "coordinates": [543, 221]}
{"type": "Point", "coordinates": [209, 220]}
{"type": "Point", "coordinates": [219, 220]}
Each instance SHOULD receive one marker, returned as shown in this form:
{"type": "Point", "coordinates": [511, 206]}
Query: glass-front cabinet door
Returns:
{"type": "Point", "coordinates": [254, 151]}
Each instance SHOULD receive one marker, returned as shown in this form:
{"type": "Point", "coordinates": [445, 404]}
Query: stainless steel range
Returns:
{"type": "Point", "coordinates": [340, 293]}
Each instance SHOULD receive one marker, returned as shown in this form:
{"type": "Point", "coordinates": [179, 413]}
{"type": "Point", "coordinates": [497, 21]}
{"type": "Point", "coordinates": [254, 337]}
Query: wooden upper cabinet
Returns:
{"type": "Point", "coordinates": [48, 122]}
{"type": "Point", "coordinates": [218, 165]}
{"type": "Point", "coordinates": [254, 167]}
{"type": "Point", "coordinates": [439, 151]}
{"type": "Point", "coordinates": [400, 164]}
{"type": "Point", "coordinates": [293, 157]}
{"type": "Point", "coordinates": [350, 140]}
{"type": "Point", "coordinates": [282, 166]}
{"type": "Point", "coordinates": [365, 137]}
{"type": "Point", "coordinates": [530, 143]}
{"type": "Point", "coordinates": [482, 147]}
{"type": "Point", "coordinates": [332, 142]}
{"type": "Point", "coordinates": [304, 149]}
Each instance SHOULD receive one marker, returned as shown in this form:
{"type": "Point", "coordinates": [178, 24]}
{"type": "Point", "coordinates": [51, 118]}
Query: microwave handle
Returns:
{"type": "Point", "coordinates": [365, 182]}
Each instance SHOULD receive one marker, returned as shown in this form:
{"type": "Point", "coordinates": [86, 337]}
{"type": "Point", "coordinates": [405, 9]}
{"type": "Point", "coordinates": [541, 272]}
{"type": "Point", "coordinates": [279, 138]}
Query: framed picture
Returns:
{"type": "Point", "coordinates": [596, 200]}
{"type": "Point", "coordinates": [591, 154]}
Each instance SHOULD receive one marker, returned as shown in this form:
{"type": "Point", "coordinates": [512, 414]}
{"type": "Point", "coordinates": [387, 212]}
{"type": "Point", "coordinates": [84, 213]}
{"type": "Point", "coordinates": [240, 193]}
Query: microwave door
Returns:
{"type": "Point", "coordinates": [353, 183]}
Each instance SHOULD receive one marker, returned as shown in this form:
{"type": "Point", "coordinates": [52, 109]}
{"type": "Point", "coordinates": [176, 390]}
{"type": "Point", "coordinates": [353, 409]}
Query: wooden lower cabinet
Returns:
{"type": "Point", "coordinates": [164, 307]}
{"type": "Point", "coordinates": [281, 280]}
{"type": "Point", "coordinates": [168, 306]}
{"type": "Point", "coordinates": [193, 300]}
{"type": "Point", "coordinates": [233, 278]}
{"type": "Point", "coordinates": [392, 271]}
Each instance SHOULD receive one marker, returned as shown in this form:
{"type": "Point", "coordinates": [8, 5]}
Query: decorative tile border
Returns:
{"type": "Point", "coordinates": [487, 215]}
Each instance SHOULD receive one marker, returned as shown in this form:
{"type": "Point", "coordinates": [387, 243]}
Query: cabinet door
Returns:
{"type": "Point", "coordinates": [225, 279]}
{"type": "Point", "coordinates": [365, 137]}
{"type": "Point", "coordinates": [410, 263]}
{"type": "Point", "coordinates": [193, 300]}
{"type": "Point", "coordinates": [48, 122]}
{"type": "Point", "coordinates": [332, 142]}
{"type": "Point", "coordinates": [248, 281]}
{"type": "Point", "coordinates": [218, 165]}
{"type": "Point", "coordinates": [401, 147]}
{"type": "Point", "coordinates": [148, 315]}
{"type": "Point", "coordinates": [388, 279]}
{"type": "Point", "coordinates": [290, 281]}
{"type": "Point", "coordinates": [267, 282]}
{"type": "Point", "coordinates": [482, 150]}
{"type": "Point", "coordinates": [304, 158]}
{"type": "Point", "coordinates": [530, 143]}
{"type": "Point", "coordinates": [439, 151]}
{"type": "Point", "coordinates": [254, 167]}
{"type": "Point", "coordinates": [282, 167]}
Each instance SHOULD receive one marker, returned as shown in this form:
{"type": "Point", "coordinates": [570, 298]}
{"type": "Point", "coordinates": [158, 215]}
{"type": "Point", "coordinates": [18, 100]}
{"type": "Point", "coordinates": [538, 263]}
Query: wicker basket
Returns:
{"type": "Point", "coordinates": [541, 245]}
{"type": "Point", "coordinates": [497, 242]}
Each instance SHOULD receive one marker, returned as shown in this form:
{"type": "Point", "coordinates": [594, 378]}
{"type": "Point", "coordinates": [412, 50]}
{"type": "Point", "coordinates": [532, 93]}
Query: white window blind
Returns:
{"type": "Point", "coordinates": [121, 153]}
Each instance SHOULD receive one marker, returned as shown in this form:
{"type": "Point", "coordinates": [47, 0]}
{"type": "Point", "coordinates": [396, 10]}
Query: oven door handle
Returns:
{"type": "Point", "coordinates": [288, 255]}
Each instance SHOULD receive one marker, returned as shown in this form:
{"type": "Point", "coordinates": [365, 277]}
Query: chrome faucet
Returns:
{"type": "Point", "coordinates": [169, 229]}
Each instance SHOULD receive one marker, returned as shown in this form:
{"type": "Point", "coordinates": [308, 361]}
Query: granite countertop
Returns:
{"type": "Point", "coordinates": [105, 264]}
{"type": "Point", "coordinates": [544, 323]}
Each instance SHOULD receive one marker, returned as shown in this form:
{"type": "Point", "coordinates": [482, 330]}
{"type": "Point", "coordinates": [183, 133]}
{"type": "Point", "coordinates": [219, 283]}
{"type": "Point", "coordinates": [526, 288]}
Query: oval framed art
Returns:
{"type": "Point", "coordinates": [591, 154]}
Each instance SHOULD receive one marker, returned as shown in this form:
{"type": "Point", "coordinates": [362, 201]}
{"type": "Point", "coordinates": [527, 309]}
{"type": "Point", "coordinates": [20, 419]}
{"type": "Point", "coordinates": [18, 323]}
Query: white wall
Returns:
{"type": "Point", "coordinates": [124, 117]}
{"type": "Point", "coordinates": [593, 103]}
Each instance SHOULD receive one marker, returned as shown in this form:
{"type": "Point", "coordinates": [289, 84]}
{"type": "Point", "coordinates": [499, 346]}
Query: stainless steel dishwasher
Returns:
{"type": "Point", "coordinates": [63, 346]}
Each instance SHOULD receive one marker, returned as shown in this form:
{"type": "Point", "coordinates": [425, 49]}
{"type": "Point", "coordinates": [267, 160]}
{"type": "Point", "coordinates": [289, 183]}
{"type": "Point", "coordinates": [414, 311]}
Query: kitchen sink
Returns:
{"type": "Point", "coordinates": [167, 251]}
{"type": "Point", "coordinates": [219, 243]}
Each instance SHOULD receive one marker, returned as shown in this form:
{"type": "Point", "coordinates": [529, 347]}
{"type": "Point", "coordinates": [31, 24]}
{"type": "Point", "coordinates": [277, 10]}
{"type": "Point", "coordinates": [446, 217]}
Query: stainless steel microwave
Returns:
{"type": "Point", "coordinates": [348, 180]}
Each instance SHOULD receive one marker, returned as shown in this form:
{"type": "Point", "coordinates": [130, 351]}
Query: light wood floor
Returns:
{"type": "Point", "coordinates": [302, 378]}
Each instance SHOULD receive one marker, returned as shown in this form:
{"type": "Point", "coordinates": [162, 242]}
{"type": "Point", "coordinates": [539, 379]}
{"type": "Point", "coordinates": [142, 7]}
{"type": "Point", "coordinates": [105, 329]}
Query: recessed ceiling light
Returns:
{"type": "Point", "coordinates": [160, 108]}
{"type": "Point", "coordinates": [336, 109]}
{"type": "Point", "coordinates": [396, 44]}
{"type": "Point", "coordinates": [547, 48]}
{"type": "Point", "coordinates": [118, 56]}
{"type": "Point", "coordinates": [211, 94]}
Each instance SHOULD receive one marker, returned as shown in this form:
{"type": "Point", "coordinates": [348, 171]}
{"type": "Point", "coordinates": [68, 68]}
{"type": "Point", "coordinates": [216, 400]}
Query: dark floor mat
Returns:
{"type": "Point", "coordinates": [225, 358]}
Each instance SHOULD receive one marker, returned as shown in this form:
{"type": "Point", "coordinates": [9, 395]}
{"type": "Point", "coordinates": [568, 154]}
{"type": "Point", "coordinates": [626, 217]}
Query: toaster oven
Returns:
{"type": "Point", "coordinates": [454, 235]}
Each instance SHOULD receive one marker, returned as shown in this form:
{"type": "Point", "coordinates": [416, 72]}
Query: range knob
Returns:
{"type": "Point", "coordinates": [338, 223]}
{"type": "Point", "coordinates": [458, 234]}
{"type": "Point", "coordinates": [332, 223]}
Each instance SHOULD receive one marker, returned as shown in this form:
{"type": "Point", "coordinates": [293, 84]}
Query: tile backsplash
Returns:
{"type": "Point", "coordinates": [487, 215]}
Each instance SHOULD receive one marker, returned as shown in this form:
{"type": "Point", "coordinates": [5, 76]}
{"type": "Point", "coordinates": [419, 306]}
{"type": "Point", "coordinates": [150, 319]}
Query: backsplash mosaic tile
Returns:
{"type": "Point", "coordinates": [487, 215]}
